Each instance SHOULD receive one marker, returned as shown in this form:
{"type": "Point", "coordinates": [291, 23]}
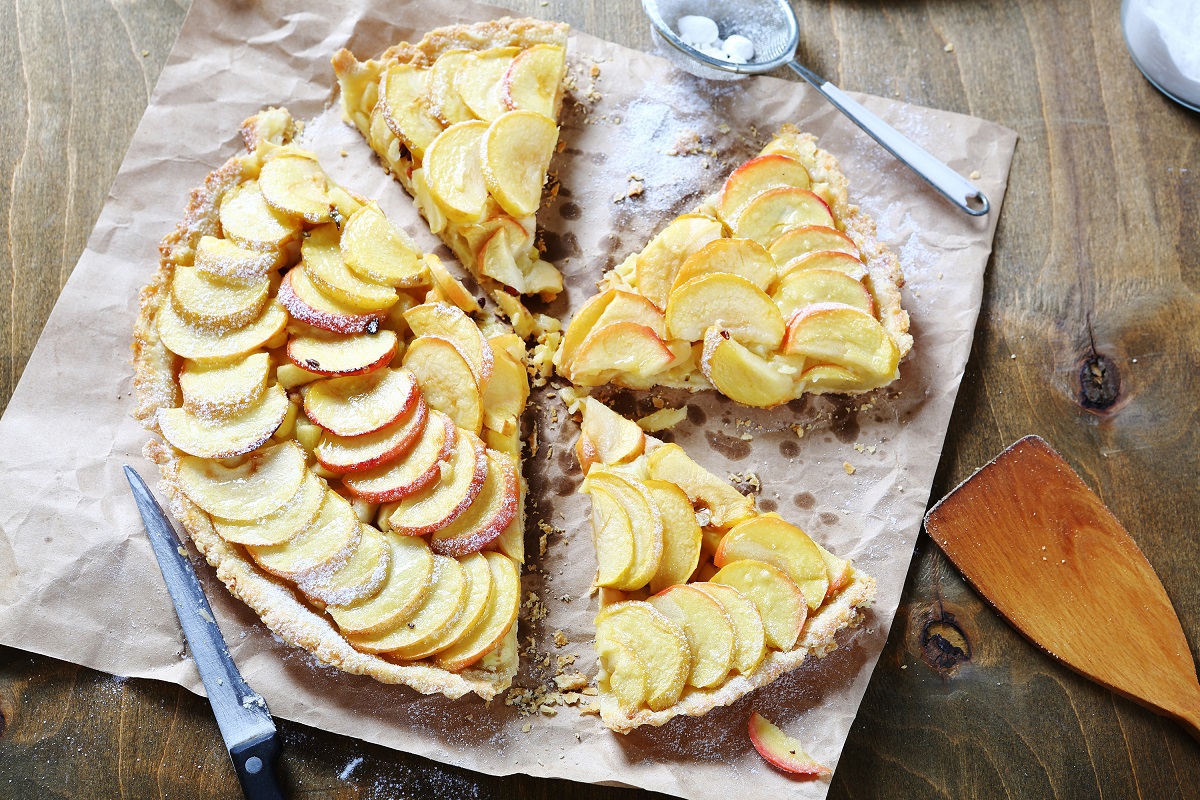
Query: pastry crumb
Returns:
{"type": "Point", "coordinates": [746, 482]}
{"type": "Point", "coordinates": [846, 465]}
{"type": "Point", "coordinates": [975, 175]}
{"type": "Point", "coordinates": [572, 682]}
{"type": "Point", "coordinates": [560, 639]}
{"type": "Point", "coordinates": [949, 48]}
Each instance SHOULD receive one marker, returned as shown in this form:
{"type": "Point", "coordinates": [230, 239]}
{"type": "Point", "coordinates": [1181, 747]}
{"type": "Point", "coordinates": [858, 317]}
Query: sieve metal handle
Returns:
{"type": "Point", "coordinates": [954, 187]}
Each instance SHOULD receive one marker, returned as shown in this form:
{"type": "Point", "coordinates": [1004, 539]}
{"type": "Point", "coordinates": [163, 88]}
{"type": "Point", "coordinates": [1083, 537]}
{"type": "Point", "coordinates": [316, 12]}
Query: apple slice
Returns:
{"type": "Point", "coordinates": [781, 750]}
{"type": "Point", "coordinates": [681, 535]}
{"type": "Point", "coordinates": [321, 548]}
{"type": "Point", "coordinates": [480, 78]}
{"type": "Point", "coordinates": [803, 288]}
{"type": "Point", "coordinates": [293, 183]}
{"type": "Point", "coordinates": [215, 304]}
{"type": "Point", "coordinates": [436, 506]}
{"type": "Point", "coordinates": [224, 388]}
{"type": "Point", "coordinates": [494, 625]}
{"type": "Point", "coordinates": [506, 392]}
{"type": "Point", "coordinates": [224, 260]}
{"type": "Point", "coordinates": [451, 323]}
{"type": "Point", "coordinates": [250, 222]}
{"type": "Point", "coordinates": [609, 438]}
{"type": "Point", "coordinates": [779, 601]}
{"type": "Point", "coordinates": [742, 375]}
{"type": "Point", "coordinates": [419, 468]}
{"type": "Point", "coordinates": [488, 515]}
{"type": "Point", "coordinates": [630, 307]}
{"type": "Point", "coordinates": [378, 252]}
{"type": "Point", "coordinates": [478, 577]}
{"type": "Point", "coordinates": [282, 524]}
{"type": "Point", "coordinates": [740, 257]}
{"type": "Point", "coordinates": [307, 303]}
{"type": "Point", "coordinates": [321, 259]}
{"type": "Point", "coordinates": [205, 344]}
{"type": "Point", "coordinates": [656, 266]}
{"type": "Point", "coordinates": [531, 81]}
{"type": "Point", "coordinates": [362, 403]}
{"type": "Point", "coordinates": [337, 355]}
{"type": "Point", "coordinates": [612, 538]}
{"type": "Point", "coordinates": [756, 176]}
{"type": "Point", "coordinates": [254, 488]}
{"type": "Point", "coordinates": [360, 577]}
{"type": "Point", "coordinates": [708, 629]}
{"type": "Point", "coordinates": [623, 672]}
{"type": "Point", "coordinates": [409, 581]}
{"type": "Point", "coordinates": [825, 378]}
{"type": "Point", "coordinates": [497, 256]}
{"type": "Point", "coordinates": [832, 333]}
{"type": "Point", "coordinates": [810, 239]}
{"type": "Point", "coordinates": [750, 644]}
{"type": "Point", "coordinates": [827, 260]}
{"type": "Point", "coordinates": [449, 287]}
{"type": "Point", "coordinates": [224, 437]}
{"type": "Point", "coordinates": [446, 380]}
{"type": "Point", "coordinates": [445, 601]}
{"type": "Point", "coordinates": [739, 307]}
{"type": "Point", "coordinates": [658, 641]}
{"type": "Point", "coordinates": [582, 325]}
{"type": "Point", "coordinates": [726, 505]}
{"type": "Point", "coordinates": [516, 154]}
{"type": "Point", "coordinates": [777, 211]}
{"type": "Point", "coordinates": [627, 348]}
{"type": "Point", "coordinates": [342, 454]}
{"type": "Point", "coordinates": [776, 541]}
{"type": "Point", "coordinates": [840, 572]}
{"type": "Point", "coordinates": [454, 171]}
{"type": "Point", "coordinates": [645, 520]}
{"type": "Point", "coordinates": [444, 101]}
{"type": "Point", "coordinates": [401, 90]}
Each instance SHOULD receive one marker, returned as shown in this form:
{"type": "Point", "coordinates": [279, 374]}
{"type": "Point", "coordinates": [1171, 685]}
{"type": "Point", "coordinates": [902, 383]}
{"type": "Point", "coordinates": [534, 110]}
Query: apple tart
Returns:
{"type": "Point", "coordinates": [465, 120]}
{"type": "Point", "coordinates": [773, 287]}
{"type": "Point", "coordinates": [703, 598]}
{"type": "Point", "coordinates": [339, 436]}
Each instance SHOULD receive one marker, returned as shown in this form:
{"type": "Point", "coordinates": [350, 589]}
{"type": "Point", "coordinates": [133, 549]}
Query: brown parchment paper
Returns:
{"type": "Point", "coordinates": [78, 580]}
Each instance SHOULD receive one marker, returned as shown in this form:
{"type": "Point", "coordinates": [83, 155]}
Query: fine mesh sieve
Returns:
{"type": "Point", "coordinates": [771, 25]}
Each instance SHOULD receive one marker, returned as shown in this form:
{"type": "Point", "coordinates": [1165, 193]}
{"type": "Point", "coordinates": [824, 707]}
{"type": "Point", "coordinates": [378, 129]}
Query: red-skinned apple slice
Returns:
{"type": "Point", "coordinates": [657, 265]}
{"type": "Point", "coordinates": [223, 437]}
{"type": "Point", "coordinates": [833, 260]}
{"type": "Point", "coordinates": [531, 82]}
{"type": "Point", "coordinates": [488, 515]}
{"type": "Point", "coordinates": [338, 355]}
{"type": "Point", "coordinates": [480, 78]}
{"type": "Point", "coordinates": [774, 540]}
{"type": "Point", "coordinates": [607, 437]}
{"type": "Point", "coordinates": [361, 404]}
{"type": "Point", "coordinates": [741, 257]}
{"type": "Point", "coordinates": [442, 502]}
{"type": "Point", "coordinates": [810, 239]}
{"type": "Point", "coordinates": [420, 467]}
{"type": "Point", "coordinates": [756, 176]}
{"type": "Point", "coordinates": [307, 303]}
{"type": "Point", "coordinates": [773, 213]}
{"type": "Point", "coordinates": [781, 750]}
{"type": "Point", "coordinates": [803, 288]}
{"type": "Point", "coordinates": [581, 326]}
{"type": "Point", "coordinates": [450, 322]}
{"type": "Point", "coordinates": [516, 154]}
{"type": "Point", "coordinates": [446, 380]}
{"type": "Point", "coordinates": [342, 454]}
{"type": "Point", "coordinates": [832, 333]}
{"type": "Point", "coordinates": [630, 307]}
{"type": "Point", "coordinates": [735, 304]}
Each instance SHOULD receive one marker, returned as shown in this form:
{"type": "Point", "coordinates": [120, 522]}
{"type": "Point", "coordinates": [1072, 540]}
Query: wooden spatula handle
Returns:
{"type": "Point", "coordinates": [1190, 718]}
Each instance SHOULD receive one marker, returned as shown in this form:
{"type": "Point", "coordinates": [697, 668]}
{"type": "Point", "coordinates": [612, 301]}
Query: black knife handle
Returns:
{"type": "Point", "coordinates": [255, 764]}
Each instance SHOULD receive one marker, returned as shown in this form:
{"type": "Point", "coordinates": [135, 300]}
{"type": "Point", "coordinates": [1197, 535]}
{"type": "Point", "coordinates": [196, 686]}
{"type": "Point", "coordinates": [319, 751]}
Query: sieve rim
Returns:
{"type": "Point", "coordinates": [751, 68]}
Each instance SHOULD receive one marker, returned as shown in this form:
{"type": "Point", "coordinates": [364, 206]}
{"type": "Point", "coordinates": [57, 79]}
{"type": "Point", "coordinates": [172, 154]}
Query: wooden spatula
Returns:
{"type": "Point", "coordinates": [1044, 550]}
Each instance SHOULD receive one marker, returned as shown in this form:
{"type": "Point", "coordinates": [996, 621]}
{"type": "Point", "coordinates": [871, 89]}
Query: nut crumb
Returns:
{"type": "Point", "coordinates": [572, 682]}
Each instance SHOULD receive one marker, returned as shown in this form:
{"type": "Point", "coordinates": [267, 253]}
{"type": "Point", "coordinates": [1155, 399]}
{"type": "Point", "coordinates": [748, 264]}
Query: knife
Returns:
{"type": "Point", "coordinates": [242, 715]}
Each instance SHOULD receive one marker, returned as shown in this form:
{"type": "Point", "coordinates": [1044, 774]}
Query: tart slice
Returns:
{"type": "Point", "coordinates": [338, 436]}
{"type": "Point", "coordinates": [773, 287]}
{"type": "Point", "coordinates": [703, 597]}
{"type": "Point", "coordinates": [465, 120]}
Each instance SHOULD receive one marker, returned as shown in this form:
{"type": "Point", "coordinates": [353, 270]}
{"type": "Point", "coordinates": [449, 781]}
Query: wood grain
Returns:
{"type": "Point", "coordinates": [1091, 287]}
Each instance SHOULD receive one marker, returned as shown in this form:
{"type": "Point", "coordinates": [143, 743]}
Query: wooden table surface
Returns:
{"type": "Point", "coordinates": [1089, 336]}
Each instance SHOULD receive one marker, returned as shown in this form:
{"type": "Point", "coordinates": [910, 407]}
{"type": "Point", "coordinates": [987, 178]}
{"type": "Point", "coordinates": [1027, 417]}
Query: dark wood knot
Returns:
{"type": "Point", "coordinates": [944, 645]}
{"type": "Point", "coordinates": [1099, 382]}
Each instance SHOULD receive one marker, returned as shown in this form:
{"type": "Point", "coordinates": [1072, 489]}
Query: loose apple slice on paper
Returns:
{"type": "Point", "coordinates": [442, 502]}
{"type": "Point", "coordinates": [335, 354]}
{"type": "Point", "coordinates": [810, 239]}
{"type": "Point", "coordinates": [516, 154]}
{"type": "Point", "coordinates": [582, 325]}
{"type": "Point", "coordinates": [756, 176]}
{"type": "Point", "coordinates": [409, 581]}
{"type": "Point", "coordinates": [531, 81]}
{"type": "Point", "coordinates": [446, 380]}
{"type": "Point", "coordinates": [776, 541]}
{"type": "Point", "coordinates": [415, 471]}
{"type": "Point", "coordinates": [222, 259]}
{"type": "Point", "coordinates": [612, 538]}
{"type": "Point", "coordinates": [480, 79]}
{"type": "Point", "coordinates": [253, 489]}
{"type": "Point", "coordinates": [708, 629]}
{"type": "Point", "coordinates": [206, 344]}
{"type": "Point", "coordinates": [832, 333]}
{"type": "Point", "coordinates": [359, 578]}
{"type": "Point", "coordinates": [342, 454]}
{"type": "Point", "coordinates": [740, 257]}
{"type": "Point", "coordinates": [645, 520]}
{"type": "Point", "coordinates": [321, 259]}
{"type": "Point", "coordinates": [478, 576]}
{"type": "Point", "coordinates": [307, 303]}
{"type": "Point", "coordinates": [506, 392]}
{"type": "Point", "coordinates": [216, 304]}
{"type": "Point", "coordinates": [362, 403]}
{"type": "Point", "coordinates": [607, 437]}
{"type": "Point", "coordinates": [293, 183]}
{"type": "Point", "coordinates": [488, 515]}
{"type": "Point", "coordinates": [377, 251]}
{"type": "Point", "coordinates": [739, 307]}
{"type": "Point", "coordinates": [831, 260]}
{"type": "Point", "coordinates": [623, 347]}
{"type": "Point", "coordinates": [445, 103]}
{"type": "Point", "coordinates": [779, 601]}
{"type": "Point", "coordinates": [777, 211]}
{"type": "Point", "coordinates": [657, 265]}
{"type": "Point", "coordinates": [750, 644]}
{"type": "Point", "coordinates": [284, 523]}
{"type": "Point", "coordinates": [660, 643]}
{"type": "Point", "coordinates": [742, 375]}
{"type": "Point", "coordinates": [630, 307]}
{"type": "Point", "coordinates": [781, 750]}
{"type": "Point", "coordinates": [727, 506]}
{"type": "Point", "coordinates": [224, 437]}
{"type": "Point", "coordinates": [805, 287]}
{"type": "Point", "coordinates": [224, 388]}
{"type": "Point", "coordinates": [445, 601]}
{"type": "Point", "coordinates": [494, 625]}
{"type": "Point", "coordinates": [401, 104]}
{"type": "Point", "coordinates": [681, 535]}
{"type": "Point", "coordinates": [321, 548]}
{"type": "Point", "coordinates": [623, 671]}
{"type": "Point", "coordinates": [454, 171]}
{"type": "Point", "coordinates": [451, 323]}
{"type": "Point", "coordinates": [250, 222]}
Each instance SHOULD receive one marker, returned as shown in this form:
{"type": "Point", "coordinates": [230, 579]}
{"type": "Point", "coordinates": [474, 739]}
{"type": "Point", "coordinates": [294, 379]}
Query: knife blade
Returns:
{"type": "Point", "coordinates": [242, 715]}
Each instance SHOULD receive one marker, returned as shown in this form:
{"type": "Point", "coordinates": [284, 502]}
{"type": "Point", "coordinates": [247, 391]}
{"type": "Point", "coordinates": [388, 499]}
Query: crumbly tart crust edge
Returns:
{"type": "Point", "coordinates": [845, 611]}
{"type": "Point", "coordinates": [275, 603]}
